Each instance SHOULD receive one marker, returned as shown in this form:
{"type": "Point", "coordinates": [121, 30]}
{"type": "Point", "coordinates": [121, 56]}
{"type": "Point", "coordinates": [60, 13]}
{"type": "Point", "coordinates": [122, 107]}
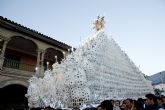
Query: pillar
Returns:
{"type": "Point", "coordinates": [42, 63]}
{"type": "Point", "coordinates": [39, 51]}
{"type": "Point", "coordinates": [3, 52]}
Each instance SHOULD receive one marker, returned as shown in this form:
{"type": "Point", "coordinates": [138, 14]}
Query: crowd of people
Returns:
{"type": "Point", "coordinates": [151, 102]}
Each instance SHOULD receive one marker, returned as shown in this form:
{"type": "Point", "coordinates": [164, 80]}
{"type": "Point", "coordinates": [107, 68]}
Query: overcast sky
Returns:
{"type": "Point", "coordinates": [138, 26]}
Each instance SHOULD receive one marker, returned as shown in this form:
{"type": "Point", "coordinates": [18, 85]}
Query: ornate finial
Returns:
{"type": "Point", "coordinates": [99, 23]}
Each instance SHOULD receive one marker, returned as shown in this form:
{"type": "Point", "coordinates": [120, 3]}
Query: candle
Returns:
{"type": "Point", "coordinates": [68, 50]}
{"type": "Point", "coordinates": [55, 58]}
{"type": "Point", "coordinates": [36, 68]}
{"type": "Point", "coordinates": [64, 54]}
{"type": "Point", "coordinates": [47, 65]}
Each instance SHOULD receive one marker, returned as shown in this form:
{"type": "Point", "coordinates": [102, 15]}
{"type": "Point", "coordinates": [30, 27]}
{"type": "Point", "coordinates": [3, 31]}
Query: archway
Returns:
{"type": "Point", "coordinates": [13, 97]}
{"type": "Point", "coordinates": [50, 57]}
{"type": "Point", "coordinates": [21, 54]}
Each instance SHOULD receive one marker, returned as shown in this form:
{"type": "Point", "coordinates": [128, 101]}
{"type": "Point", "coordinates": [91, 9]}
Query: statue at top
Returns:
{"type": "Point", "coordinates": [99, 23]}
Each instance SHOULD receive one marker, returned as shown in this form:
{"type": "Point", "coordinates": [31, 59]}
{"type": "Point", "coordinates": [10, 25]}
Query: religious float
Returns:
{"type": "Point", "coordinates": [96, 71]}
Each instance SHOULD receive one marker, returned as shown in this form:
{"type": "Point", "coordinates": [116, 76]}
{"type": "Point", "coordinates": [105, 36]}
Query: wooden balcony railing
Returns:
{"type": "Point", "coordinates": [9, 63]}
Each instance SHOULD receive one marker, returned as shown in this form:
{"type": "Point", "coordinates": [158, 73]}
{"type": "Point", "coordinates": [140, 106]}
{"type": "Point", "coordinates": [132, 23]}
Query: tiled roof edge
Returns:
{"type": "Point", "coordinates": [34, 31]}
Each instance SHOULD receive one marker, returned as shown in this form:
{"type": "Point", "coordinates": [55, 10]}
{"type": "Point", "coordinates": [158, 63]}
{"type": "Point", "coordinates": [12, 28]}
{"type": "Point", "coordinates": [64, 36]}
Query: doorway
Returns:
{"type": "Point", "coordinates": [13, 97]}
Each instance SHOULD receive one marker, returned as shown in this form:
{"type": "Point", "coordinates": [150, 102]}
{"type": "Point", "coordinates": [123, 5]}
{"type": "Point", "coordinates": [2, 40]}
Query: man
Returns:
{"type": "Point", "coordinates": [151, 102]}
{"type": "Point", "coordinates": [106, 105]}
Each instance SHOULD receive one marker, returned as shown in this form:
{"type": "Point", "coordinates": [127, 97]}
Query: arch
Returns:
{"type": "Point", "coordinates": [21, 51]}
{"type": "Point", "coordinates": [50, 56]}
{"type": "Point", "coordinates": [13, 96]}
{"type": "Point", "coordinates": [10, 82]}
{"type": "Point", "coordinates": [22, 43]}
{"type": "Point", "coordinates": [51, 53]}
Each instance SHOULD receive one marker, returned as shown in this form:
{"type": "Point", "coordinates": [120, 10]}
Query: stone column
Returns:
{"type": "Point", "coordinates": [42, 63]}
{"type": "Point", "coordinates": [39, 51]}
{"type": "Point", "coordinates": [38, 62]}
{"type": "Point", "coordinates": [3, 52]}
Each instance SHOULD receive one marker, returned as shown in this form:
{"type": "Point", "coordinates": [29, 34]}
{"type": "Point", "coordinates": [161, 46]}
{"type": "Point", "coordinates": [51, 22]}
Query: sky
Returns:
{"type": "Point", "coordinates": [138, 26]}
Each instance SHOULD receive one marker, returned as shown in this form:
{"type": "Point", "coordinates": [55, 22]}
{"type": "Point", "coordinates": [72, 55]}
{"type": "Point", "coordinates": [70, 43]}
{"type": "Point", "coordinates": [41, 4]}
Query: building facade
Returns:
{"type": "Point", "coordinates": [24, 53]}
{"type": "Point", "coordinates": [158, 82]}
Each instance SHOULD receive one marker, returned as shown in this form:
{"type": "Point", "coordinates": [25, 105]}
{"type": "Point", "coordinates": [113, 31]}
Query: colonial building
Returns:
{"type": "Point", "coordinates": [23, 53]}
{"type": "Point", "coordinates": [158, 82]}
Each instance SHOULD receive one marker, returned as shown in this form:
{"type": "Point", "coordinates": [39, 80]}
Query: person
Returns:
{"type": "Point", "coordinates": [137, 105]}
{"type": "Point", "coordinates": [160, 102]}
{"type": "Point", "coordinates": [141, 103]}
{"type": "Point", "coordinates": [116, 105]}
{"type": "Point", "coordinates": [49, 108]}
{"type": "Point", "coordinates": [123, 105]}
{"type": "Point", "coordinates": [90, 108]}
{"type": "Point", "coordinates": [35, 109]}
{"type": "Point", "coordinates": [163, 103]}
{"type": "Point", "coordinates": [129, 104]}
{"type": "Point", "coordinates": [151, 102]}
{"type": "Point", "coordinates": [99, 107]}
{"type": "Point", "coordinates": [106, 105]}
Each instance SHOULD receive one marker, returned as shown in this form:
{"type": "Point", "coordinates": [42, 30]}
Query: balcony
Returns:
{"type": "Point", "coordinates": [9, 63]}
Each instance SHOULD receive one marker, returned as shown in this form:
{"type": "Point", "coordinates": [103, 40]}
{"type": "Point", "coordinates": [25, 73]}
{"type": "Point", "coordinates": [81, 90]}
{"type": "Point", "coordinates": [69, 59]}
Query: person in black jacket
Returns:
{"type": "Point", "coordinates": [106, 105]}
{"type": "Point", "coordinates": [151, 102]}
